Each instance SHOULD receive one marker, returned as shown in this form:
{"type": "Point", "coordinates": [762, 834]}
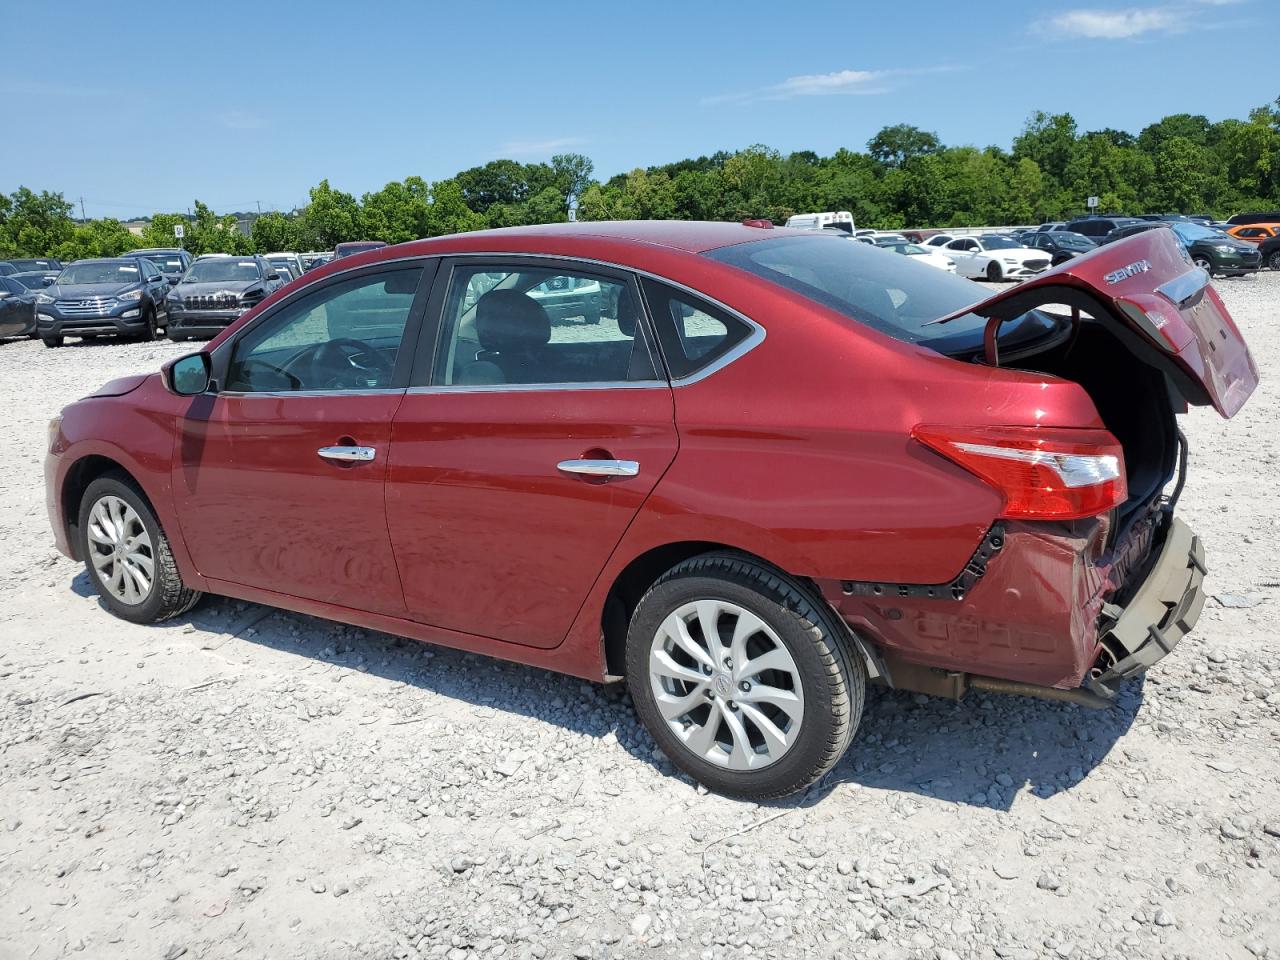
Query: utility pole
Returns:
{"type": "Point", "coordinates": [83, 218]}
{"type": "Point", "coordinates": [259, 203]}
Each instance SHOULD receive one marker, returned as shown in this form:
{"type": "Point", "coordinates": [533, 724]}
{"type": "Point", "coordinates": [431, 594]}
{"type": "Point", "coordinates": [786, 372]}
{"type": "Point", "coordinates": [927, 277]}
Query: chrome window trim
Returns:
{"type": "Point", "coordinates": [745, 346]}
{"type": "Point", "coordinates": [541, 387]}
{"type": "Point", "coordinates": [281, 394]}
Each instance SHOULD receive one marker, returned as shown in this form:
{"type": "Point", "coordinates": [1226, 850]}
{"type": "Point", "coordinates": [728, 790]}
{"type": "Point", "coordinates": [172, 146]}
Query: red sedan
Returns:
{"type": "Point", "coordinates": [760, 469]}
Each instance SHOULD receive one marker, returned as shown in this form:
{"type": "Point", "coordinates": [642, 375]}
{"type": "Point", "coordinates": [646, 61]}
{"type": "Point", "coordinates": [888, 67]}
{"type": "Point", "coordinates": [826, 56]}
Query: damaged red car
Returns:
{"type": "Point", "coordinates": [747, 470]}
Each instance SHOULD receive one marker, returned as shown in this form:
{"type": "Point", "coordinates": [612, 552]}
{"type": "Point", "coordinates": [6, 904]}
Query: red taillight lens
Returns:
{"type": "Point", "coordinates": [1045, 473]}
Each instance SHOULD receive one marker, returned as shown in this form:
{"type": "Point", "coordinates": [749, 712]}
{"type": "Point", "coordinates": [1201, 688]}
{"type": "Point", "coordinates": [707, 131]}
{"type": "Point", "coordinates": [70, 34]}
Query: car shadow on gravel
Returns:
{"type": "Point", "coordinates": [981, 751]}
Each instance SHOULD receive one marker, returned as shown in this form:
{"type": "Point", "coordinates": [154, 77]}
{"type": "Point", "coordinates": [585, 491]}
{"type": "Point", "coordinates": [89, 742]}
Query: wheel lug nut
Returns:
{"type": "Point", "coordinates": [732, 706]}
{"type": "Point", "coordinates": [744, 686]}
{"type": "Point", "coordinates": [706, 669]}
{"type": "Point", "coordinates": [728, 663]}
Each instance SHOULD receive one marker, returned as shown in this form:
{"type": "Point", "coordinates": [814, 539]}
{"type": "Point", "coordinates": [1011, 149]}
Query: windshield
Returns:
{"type": "Point", "coordinates": [221, 270]}
{"type": "Point", "coordinates": [885, 292]}
{"type": "Point", "coordinates": [105, 272]}
{"type": "Point", "coordinates": [1073, 241]}
{"type": "Point", "coordinates": [1191, 232]}
{"type": "Point", "coordinates": [168, 262]}
{"type": "Point", "coordinates": [999, 243]}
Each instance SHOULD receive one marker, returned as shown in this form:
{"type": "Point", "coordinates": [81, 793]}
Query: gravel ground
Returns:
{"type": "Point", "coordinates": [247, 782]}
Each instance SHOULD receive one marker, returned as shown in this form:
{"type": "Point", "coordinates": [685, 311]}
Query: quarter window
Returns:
{"type": "Point", "coordinates": [345, 336]}
{"type": "Point", "coordinates": [693, 333]}
{"type": "Point", "coordinates": [524, 324]}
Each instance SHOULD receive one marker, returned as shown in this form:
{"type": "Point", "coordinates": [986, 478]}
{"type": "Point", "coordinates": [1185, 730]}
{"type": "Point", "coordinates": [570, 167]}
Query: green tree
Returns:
{"type": "Point", "coordinates": [97, 238]}
{"type": "Point", "coordinates": [398, 212]}
{"type": "Point", "coordinates": [210, 233]}
{"type": "Point", "coordinates": [159, 232]}
{"type": "Point", "coordinates": [449, 212]}
{"type": "Point", "coordinates": [893, 146]}
{"type": "Point", "coordinates": [1049, 140]}
{"type": "Point", "coordinates": [35, 223]}
{"type": "Point", "coordinates": [275, 231]}
{"type": "Point", "coordinates": [331, 217]}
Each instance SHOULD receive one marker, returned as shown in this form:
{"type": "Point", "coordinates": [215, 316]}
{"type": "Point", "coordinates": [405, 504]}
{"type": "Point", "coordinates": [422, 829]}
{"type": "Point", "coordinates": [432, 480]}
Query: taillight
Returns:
{"type": "Point", "coordinates": [1044, 473]}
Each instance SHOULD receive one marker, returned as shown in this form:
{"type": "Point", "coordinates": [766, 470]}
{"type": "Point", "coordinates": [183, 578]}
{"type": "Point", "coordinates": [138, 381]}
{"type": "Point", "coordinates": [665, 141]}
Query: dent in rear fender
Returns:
{"type": "Point", "coordinates": [1032, 617]}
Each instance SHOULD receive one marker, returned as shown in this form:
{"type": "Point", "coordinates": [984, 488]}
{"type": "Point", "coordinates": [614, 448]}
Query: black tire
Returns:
{"type": "Point", "coordinates": [1273, 261]}
{"type": "Point", "coordinates": [994, 272]}
{"type": "Point", "coordinates": [167, 597]}
{"type": "Point", "coordinates": [592, 318]}
{"type": "Point", "coordinates": [832, 675]}
{"type": "Point", "coordinates": [149, 330]}
{"type": "Point", "coordinates": [174, 336]}
{"type": "Point", "coordinates": [53, 341]}
{"type": "Point", "coordinates": [1203, 262]}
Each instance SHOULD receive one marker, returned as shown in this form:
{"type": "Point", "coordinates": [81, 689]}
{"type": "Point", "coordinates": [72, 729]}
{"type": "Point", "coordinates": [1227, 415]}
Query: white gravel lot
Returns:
{"type": "Point", "coordinates": [252, 783]}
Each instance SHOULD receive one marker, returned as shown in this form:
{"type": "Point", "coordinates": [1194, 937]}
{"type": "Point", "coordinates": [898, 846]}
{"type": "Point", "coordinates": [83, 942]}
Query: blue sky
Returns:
{"type": "Point", "coordinates": [237, 103]}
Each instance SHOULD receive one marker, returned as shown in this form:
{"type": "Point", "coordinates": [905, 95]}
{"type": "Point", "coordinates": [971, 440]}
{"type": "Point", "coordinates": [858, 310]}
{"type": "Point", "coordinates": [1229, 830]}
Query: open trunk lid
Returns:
{"type": "Point", "coordinates": [1151, 290]}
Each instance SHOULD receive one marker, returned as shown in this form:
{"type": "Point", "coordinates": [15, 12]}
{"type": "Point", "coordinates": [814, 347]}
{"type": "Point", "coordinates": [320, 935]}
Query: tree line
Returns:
{"type": "Point", "coordinates": [906, 177]}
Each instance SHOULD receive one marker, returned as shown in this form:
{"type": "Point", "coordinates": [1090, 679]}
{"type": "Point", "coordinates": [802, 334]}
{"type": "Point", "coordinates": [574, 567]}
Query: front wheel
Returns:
{"type": "Point", "coordinates": [53, 341]}
{"type": "Point", "coordinates": [994, 273]}
{"type": "Point", "coordinates": [127, 554]}
{"type": "Point", "coordinates": [1273, 261]}
{"type": "Point", "coordinates": [1204, 263]}
{"type": "Point", "coordinates": [743, 678]}
{"type": "Point", "coordinates": [150, 328]}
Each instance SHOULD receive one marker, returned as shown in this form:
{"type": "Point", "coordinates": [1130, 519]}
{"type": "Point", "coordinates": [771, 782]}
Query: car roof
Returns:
{"type": "Point", "coordinates": [690, 236]}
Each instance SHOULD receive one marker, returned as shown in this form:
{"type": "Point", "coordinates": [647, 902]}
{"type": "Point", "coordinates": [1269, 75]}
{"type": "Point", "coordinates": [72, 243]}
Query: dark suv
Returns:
{"type": "Point", "coordinates": [1061, 245]}
{"type": "Point", "coordinates": [216, 290]}
{"type": "Point", "coordinates": [123, 296]}
{"type": "Point", "coordinates": [1095, 228]}
{"type": "Point", "coordinates": [172, 261]}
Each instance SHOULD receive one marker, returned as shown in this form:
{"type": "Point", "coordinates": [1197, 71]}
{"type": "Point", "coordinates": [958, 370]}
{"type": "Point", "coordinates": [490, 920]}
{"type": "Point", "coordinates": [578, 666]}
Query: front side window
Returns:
{"type": "Point", "coordinates": [344, 336]}
{"type": "Point", "coordinates": [524, 325]}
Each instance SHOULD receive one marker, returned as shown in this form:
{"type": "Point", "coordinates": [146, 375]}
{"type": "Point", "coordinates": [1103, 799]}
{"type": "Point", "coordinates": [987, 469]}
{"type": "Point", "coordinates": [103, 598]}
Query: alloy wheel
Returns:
{"type": "Point", "coordinates": [1274, 261]}
{"type": "Point", "coordinates": [726, 685]}
{"type": "Point", "coordinates": [120, 550]}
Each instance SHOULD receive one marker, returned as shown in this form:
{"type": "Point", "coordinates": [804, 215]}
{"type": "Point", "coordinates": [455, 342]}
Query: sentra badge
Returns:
{"type": "Point", "coordinates": [1132, 270]}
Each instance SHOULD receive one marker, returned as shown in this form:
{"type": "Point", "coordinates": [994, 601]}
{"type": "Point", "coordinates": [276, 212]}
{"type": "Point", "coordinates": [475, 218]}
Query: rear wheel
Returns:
{"type": "Point", "coordinates": [1273, 261]}
{"type": "Point", "coordinates": [53, 341]}
{"type": "Point", "coordinates": [742, 677]}
{"type": "Point", "coordinates": [127, 554]}
{"type": "Point", "coordinates": [994, 273]}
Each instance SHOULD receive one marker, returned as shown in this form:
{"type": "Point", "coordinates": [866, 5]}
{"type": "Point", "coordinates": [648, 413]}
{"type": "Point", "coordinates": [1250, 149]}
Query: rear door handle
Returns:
{"type": "Point", "coordinates": [348, 454]}
{"type": "Point", "coordinates": [600, 468]}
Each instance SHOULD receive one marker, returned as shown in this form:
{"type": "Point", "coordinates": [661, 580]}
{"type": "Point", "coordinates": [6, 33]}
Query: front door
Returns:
{"type": "Point", "coordinates": [543, 426]}
{"type": "Point", "coordinates": [279, 478]}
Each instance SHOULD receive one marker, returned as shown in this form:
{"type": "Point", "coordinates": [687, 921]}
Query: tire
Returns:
{"type": "Point", "coordinates": [1203, 262]}
{"type": "Point", "coordinates": [175, 337]}
{"type": "Point", "coordinates": [53, 341]}
{"type": "Point", "coordinates": [994, 272]}
{"type": "Point", "coordinates": [592, 318]}
{"type": "Point", "coordinates": [826, 678]}
{"type": "Point", "coordinates": [1273, 261]}
{"type": "Point", "coordinates": [149, 331]}
{"type": "Point", "coordinates": [165, 595]}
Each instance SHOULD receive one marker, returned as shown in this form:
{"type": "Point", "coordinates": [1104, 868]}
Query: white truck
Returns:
{"type": "Point", "coordinates": [832, 219]}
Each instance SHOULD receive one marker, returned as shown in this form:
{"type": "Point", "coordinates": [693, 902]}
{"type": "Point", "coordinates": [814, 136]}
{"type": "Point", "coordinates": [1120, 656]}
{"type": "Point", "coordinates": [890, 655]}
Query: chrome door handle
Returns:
{"type": "Point", "coordinates": [600, 468]}
{"type": "Point", "coordinates": [348, 454]}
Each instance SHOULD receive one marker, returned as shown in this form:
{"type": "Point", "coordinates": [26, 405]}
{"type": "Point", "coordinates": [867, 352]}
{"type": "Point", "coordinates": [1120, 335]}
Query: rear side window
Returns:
{"type": "Point", "coordinates": [693, 333]}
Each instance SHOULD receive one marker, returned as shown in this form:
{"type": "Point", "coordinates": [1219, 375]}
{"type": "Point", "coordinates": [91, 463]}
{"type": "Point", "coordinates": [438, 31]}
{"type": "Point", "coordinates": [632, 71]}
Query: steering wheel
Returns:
{"type": "Point", "coordinates": [340, 364]}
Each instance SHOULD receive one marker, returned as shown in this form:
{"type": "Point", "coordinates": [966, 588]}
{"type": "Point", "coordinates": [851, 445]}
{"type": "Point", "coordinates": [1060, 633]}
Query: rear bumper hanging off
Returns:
{"type": "Point", "coordinates": [1162, 611]}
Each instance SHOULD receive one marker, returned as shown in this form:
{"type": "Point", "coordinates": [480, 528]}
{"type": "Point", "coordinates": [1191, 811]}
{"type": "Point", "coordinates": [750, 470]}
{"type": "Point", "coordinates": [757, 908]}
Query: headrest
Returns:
{"type": "Point", "coordinates": [628, 312]}
{"type": "Point", "coordinates": [511, 320]}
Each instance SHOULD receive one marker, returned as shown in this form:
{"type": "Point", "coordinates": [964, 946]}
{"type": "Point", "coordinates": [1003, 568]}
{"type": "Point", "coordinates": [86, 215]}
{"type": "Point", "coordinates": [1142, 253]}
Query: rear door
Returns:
{"type": "Point", "coordinates": [1157, 296]}
{"type": "Point", "coordinates": [537, 431]}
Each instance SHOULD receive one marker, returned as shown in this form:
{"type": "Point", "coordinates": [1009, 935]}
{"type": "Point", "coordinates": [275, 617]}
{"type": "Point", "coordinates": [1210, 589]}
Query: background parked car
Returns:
{"type": "Point", "coordinates": [172, 261]}
{"type": "Point", "coordinates": [17, 308]}
{"type": "Point", "coordinates": [1061, 245]}
{"type": "Point", "coordinates": [1254, 233]}
{"type": "Point", "coordinates": [36, 279]}
{"type": "Point", "coordinates": [993, 257]}
{"type": "Point", "coordinates": [1098, 227]}
{"type": "Point", "coordinates": [315, 262]}
{"type": "Point", "coordinates": [121, 296]}
{"type": "Point", "coordinates": [7, 269]}
{"type": "Point", "coordinates": [1271, 216]}
{"type": "Point", "coordinates": [216, 290]}
{"type": "Point", "coordinates": [28, 264]}
{"type": "Point", "coordinates": [352, 247]}
{"type": "Point", "coordinates": [1214, 251]}
{"type": "Point", "coordinates": [1269, 251]}
{"type": "Point", "coordinates": [288, 265]}
{"type": "Point", "coordinates": [930, 255]}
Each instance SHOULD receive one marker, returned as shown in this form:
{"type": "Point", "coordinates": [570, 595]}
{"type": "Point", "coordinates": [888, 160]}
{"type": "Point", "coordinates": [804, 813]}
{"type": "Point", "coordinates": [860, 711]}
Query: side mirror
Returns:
{"type": "Point", "coordinates": [273, 276]}
{"type": "Point", "coordinates": [48, 281]}
{"type": "Point", "coordinates": [189, 375]}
